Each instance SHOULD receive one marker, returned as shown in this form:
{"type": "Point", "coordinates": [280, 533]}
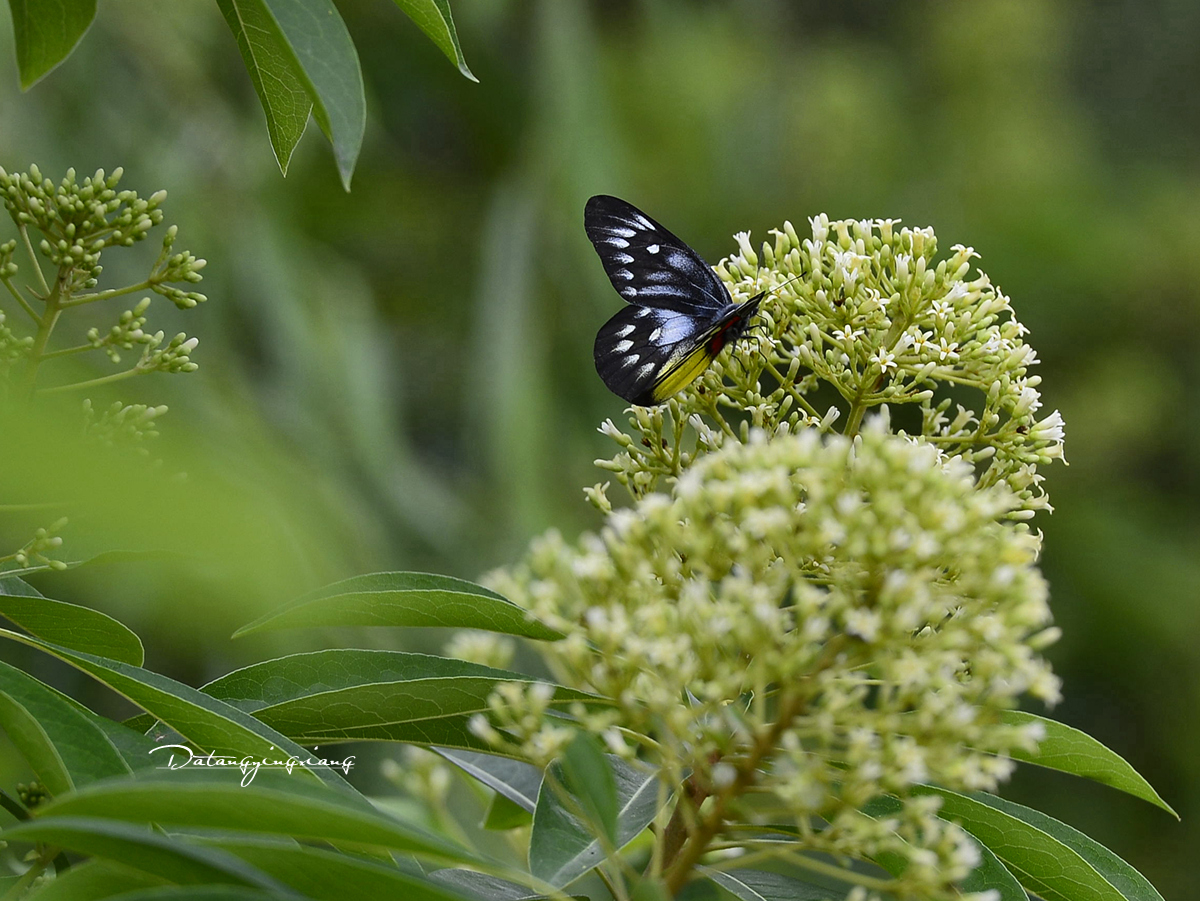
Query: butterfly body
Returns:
{"type": "Point", "coordinates": [680, 314]}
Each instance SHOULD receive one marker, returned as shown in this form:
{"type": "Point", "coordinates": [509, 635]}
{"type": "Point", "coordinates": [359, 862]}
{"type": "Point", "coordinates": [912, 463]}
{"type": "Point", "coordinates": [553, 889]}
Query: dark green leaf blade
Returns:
{"type": "Point", "coordinates": [588, 777]}
{"type": "Point", "coordinates": [353, 694]}
{"type": "Point", "coordinates": [328, 64]}
{"type": "Point", "coordinates": [69, 625]}
{"type": "Point", "coordinates": [994, 875]}
{"type": "Point", "coordinates": [93, 880]}
{"type": "Point", "coordinates": [45, 32]}
{"type": "Point", "coordinates": [514, 779]}
{"type": "Point", "coordinates": [207, 722]}
{"type": "Point", "coordinates": [273, 803]}
{"type": "Point", "coordinates": [405, 599]}
{"type": "Point", "coordinates": [759, 885]}
{"type": "Point", "coordinates": [433, 17]}
{"type": "Point", "coordinates": [63, 746]}
{"type": "Point", "coordinates": [1072, 751]}
{"type": "Point", "coordinates": [328, 876]}
{"type": "Point", "coordinates": [274, 73]}
{"type": "Point", "coordinates": [562, 848]}
{"type": "Point", "coordinates": [143, 849]}
{"type": "Point", "coordinates": [1128, 881]}
{"type": "Point", "coordinates": [1046, 861]}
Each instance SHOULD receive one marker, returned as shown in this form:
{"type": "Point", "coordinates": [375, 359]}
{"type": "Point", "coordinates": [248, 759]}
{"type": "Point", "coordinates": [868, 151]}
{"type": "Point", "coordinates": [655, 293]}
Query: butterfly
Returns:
{"type": "Point", "coordinates": [680, 314]}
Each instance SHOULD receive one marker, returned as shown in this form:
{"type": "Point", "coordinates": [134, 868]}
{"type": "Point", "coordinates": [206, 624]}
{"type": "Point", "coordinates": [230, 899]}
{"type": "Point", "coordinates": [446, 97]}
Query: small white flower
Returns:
{"type": "Point", "coordinates": [884, 359]}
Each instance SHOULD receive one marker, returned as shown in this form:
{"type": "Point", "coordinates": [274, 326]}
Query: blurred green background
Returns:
{"type": "Point", "coordinates": [401, 377]}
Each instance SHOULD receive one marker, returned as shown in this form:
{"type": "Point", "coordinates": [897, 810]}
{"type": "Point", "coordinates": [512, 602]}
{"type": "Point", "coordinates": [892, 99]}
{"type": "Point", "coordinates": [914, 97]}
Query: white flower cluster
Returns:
{"type": "Point", "coordinates": [819, 619]}
{"type": "Point", "coordinates": [859, 315]}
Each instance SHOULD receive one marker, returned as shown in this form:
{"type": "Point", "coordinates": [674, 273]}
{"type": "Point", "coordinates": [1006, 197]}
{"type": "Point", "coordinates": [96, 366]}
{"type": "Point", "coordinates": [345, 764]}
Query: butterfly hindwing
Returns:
{"type": "Point", "coordinates": [647, 354]}
{"type": "Point", "coordinates": [635, 346]}
{"type": "Point", "coordinates": [647, 264]}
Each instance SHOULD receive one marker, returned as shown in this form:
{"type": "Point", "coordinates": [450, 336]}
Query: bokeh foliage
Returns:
{"type": "Point", "coordinates": [401, 377]}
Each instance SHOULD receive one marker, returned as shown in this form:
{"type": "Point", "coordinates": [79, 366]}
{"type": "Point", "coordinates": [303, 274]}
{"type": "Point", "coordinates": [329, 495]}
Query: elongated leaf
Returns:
{"type": "Point", "coordinates": [196, 893]}
{"type": "Point", "coordinates": [93, 880]}
{"type": "Point", "coordinates": [481, 887]}
{"type": "Point", "coordinates": [513, 779]}
{"type": "Point", "coordinates": [433, 17]}
{"type": "Point", "coordinates": [1072, 751]}
{"type": "Point", "coordinates": [404, 599]}
{"type": "Point", "coordinates": [273, 803]}
{"type": "Point", "coordinates": [588, 777]}
{"type": "Point", "coordinates": [994, 875]}
{"type": "Point", "coordinates": [143, 849]}
{"type": "Point", "coordinates": [46, 31]}
{"type": "Point", "coordinates": [69, 625]}
{"type": "Point", "coordinates": [63, 746]}
{"type": "Point", "coordinates": [758, 885]}
{"type": "Point", "coordinates": [328, 876]}
{"type": "Point", "coordinates": [350, 694]}
{"type": "Point", "coordinates": [562, 848]}
{"type": "Point", "coordinates": [274, 72]}
{"type": "Point", "coordinates": [328, 64]}
{"type": "Point", "coordinates": [1049, 858]}
{"type": "Point", "coordinates": [1128, 881]}
{"type": "Point", "coordinates": [990, 874]}
{"type": "Point", "coordinates": [210, 724]}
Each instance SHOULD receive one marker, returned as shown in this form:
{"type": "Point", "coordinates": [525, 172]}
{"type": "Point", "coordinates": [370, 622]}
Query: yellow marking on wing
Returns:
{"type": "Point", "coordinates": [678, 375]}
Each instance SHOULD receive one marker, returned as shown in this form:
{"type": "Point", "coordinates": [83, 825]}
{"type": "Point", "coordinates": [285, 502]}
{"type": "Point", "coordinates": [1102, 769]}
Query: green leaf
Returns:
{"type": "Point", "coordinates": [516, 780]}
{"type": "Point", "coordinates": [328, 876]}
{"type": "Point", "coordinates": [503, 814]}
{"type": "Point", "coordinates": [300, 58]}
{"type": "Point", "coordinates": [992, 874]}
{"type": "Point", "coordinates": [273, 803]}
{"type": "Point", "coordinates": [63, 746]}
{"type": "Point", "coordinates": [433, 17]}
{"type": "Point", "coordinates": [562, 848]}
{"type": "Point", "coordinates": [93, 880]}
{"type": "Point", "coordinates": [759, 885]}
{"type": "Point", "coordinates": [1049, 858]}
{"type": "Point", "coordinates": [351, 694]}
{"type": "Point", "coordinates": [405, 599]}
{"type": "Point", "coordinates": [203, 720]}
{"type": "Point", "coordinates": [142, 849]}
{"type": "Point", "coordinates": [45, 32]}
{"type": "Point", "coordinates": [491, 888]}
{"type": "Point", "coordinates": [589, 779]}
{"type": "Point", "coordinates": [196, 893]}
{"type": "Point", "coordinates": [1072, 751]}
{"type": "Point", "coordinates": [69, 625]}
{"type": "Point", "coordinates": [274, 73]}
{"type": "Point", "coordinates": [328, 64]}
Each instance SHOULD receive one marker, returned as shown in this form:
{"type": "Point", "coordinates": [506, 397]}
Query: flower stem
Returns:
{"type": "Point", "coordinates": [33, 259]}
{"type": "Point", "coordinates": [90, 383]}
{"type": "Point", "coordinates": [81, 299]}
{"type": "Point", "coordinates": [12, 289]}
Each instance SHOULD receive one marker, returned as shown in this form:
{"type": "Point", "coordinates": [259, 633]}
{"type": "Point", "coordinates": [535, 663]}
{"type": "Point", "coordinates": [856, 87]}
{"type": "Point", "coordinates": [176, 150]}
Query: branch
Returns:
{"type": "Point", "coordinates": [80, 299]}
{"type": "Point", "coordinates": [103, 380]}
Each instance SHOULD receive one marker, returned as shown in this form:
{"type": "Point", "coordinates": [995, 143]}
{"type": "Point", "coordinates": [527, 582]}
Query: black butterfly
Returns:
{"type": "Point", "coordinates": [680, 313]}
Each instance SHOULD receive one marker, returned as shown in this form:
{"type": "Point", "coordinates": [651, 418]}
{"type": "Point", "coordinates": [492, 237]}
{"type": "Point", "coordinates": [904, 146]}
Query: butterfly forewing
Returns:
{"type": "Point", "coordinates": [647, 264]}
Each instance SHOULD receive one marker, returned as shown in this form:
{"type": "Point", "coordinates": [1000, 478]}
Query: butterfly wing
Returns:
{"type": "Point", "coordinates": [647, 354]}
{"type": "Point", "coordinates": [647, 264]}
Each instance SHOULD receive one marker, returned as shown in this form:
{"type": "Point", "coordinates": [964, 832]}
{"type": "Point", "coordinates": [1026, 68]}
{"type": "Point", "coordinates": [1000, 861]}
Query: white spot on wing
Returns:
{"type": "Point", "coordinates": [644, 371]}
{"type": "Point", "coordinates": [629, 291]}
{"type": "Point", "coordinates": [625, 330]}
{"type": "Point", "coordinates": [622, 346]}
{"type": "Point", "coordinates": [615, 242]}
{"type": "Point", "coordinates": [623, 258]}
{"type": "Point", "coordinates": [643, 221]}
{"type": "Point", "coordinates": [623, 232]}
{"type": "Point", "coordinates": [629, 361]}
{"type": "Point", "coordinates": [656, 334]}
{"type": "Point", "coordinates": [623, 273]}
{"type": "Point", "coordinates": [653, 248]}
{"type": "Point", "coordinates": [642, 313]}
